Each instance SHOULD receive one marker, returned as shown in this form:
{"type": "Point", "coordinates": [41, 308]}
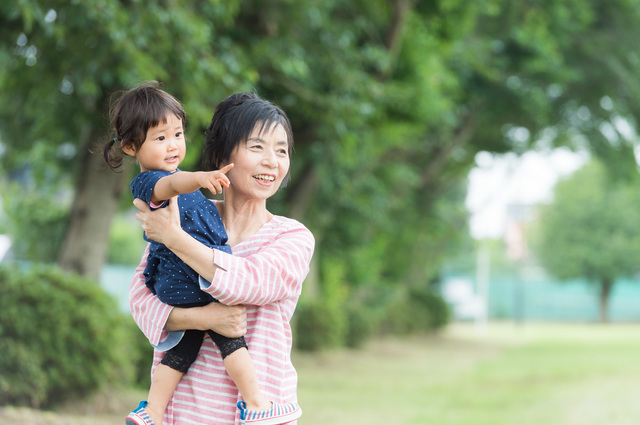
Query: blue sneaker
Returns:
{"type": "Point", "coordinates": [139, 416]}
{"type": "Point", "coordinates": [280, 413]}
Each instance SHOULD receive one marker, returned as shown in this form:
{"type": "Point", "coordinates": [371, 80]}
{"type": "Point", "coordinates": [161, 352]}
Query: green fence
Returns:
{"type": "Point", "coordinates": [542, 299]}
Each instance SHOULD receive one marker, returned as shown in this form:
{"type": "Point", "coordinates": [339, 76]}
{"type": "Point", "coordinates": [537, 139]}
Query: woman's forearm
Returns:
{"type": "Point", "coordinates": [197, 255]}
{"type": "Point", "coordinates": [229, 321]}
{"type": "Point", "coordinates": [163, 226]}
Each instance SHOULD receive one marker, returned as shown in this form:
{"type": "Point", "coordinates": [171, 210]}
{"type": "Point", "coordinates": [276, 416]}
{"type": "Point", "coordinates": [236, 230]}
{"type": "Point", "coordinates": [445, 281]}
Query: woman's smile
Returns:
{"type": "Point", "coordinates": [265, 179]}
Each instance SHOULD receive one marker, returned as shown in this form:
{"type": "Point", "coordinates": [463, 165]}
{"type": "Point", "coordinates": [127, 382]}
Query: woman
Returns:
{"type": "Point", "coordinates": [271, 259]}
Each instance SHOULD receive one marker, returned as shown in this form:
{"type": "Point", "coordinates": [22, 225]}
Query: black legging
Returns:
{"type": "Point", "coordinates": [182, 356]}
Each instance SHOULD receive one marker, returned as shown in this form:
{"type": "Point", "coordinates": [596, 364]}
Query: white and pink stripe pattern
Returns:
{"type": "Point", "coordinates": [265, 273]}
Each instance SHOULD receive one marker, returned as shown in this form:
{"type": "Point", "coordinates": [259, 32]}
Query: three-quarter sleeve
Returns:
{"type": "Point", "coordinates": [149, 313]}
{"type": "Point", "coordinates": [274, 273]}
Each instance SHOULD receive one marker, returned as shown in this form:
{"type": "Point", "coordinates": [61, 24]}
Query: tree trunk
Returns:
{"type": "Point", "coordinates": [605, 291]}
{"type": "Point", "coordinates": [96, 200]}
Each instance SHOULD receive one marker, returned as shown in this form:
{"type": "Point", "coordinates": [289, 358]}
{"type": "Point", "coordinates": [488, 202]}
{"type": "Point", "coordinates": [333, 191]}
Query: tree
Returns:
{"type": "Point", "coordinates": [592, 230]}
{"type": "Point", "coordinates": [61, 63]}
{"type": "Point", "coordinates": [390, 101]}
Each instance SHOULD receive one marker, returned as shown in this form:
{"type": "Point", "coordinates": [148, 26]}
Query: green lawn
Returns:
{"type": "Point", "coordinates": [532, 374]}
{"type": "Point", "coordinates": [529, 375]}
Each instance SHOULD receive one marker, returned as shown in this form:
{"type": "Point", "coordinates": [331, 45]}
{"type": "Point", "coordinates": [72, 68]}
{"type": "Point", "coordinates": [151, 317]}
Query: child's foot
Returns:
{"type": "Point", "coordinates": [280, 413]}
{"type": "Point", "coordinates": [139, 416]}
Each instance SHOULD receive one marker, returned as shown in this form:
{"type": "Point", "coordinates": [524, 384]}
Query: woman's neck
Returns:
{"type": "Point", "coordinates": [242, 219]}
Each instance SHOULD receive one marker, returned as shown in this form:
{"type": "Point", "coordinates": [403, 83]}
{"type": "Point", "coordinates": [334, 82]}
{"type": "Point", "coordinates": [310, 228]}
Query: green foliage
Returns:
{"type": "Point", "coordinates": [416, 309]}
{"type": "Point", "coordinates": [315, 326]}
{"type": "Point", "coordinates": [23, 380]}
{"type": "Point", "coordinates": [360, 325]}
{"type": "Point", "coordinates": [592, 228]}
{"type": "Point", "coordinates": [322, 322]}
{"type": "Point", "coordinates": [126, 243]}
{"type": "Point", "coordinates": [389, 101]}
{"type": "Point", "coordinates": [35, 222]}
{"type": "Point", "coordinates": [66, 337]}
{"type": "Point", "coordinates": [140, 356]}
{"type": "Point", "coordinates": [425, 298]}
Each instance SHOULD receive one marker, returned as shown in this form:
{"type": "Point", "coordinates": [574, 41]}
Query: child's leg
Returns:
{"type": "Point", "coordinates": [239, 366]}
{"type": "Point", "coordinates": [174, 365]}
{"type": "Point", "coordinates": [163, 384]}
{"type": "Point", "coordinates": [255, 409]}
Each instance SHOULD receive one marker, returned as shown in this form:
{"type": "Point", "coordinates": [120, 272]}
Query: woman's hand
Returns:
{"type": "Point", "coordinates": [230, 321]}
{"type": "Point", "coordinates": [227, 320]}
{"type": "Point", "coordinates": [159, 225]}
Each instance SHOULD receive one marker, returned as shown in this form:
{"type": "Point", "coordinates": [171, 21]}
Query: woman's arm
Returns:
{"type": "Point", "coordinates": [273, 274]}
{"type": "Point", "coordinates": [154, 318]}
{"type": "Point", "coordinates": [149, 313]}
{"type": "Point", "coordinates": [230, 321]}
{"type": "Point", "coordinates": [276, 273]}
{"type": "Point", "coordinates": [163, 226]}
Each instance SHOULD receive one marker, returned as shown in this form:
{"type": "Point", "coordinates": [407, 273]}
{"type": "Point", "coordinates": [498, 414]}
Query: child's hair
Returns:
{"type": "Point", "coordinates": [132, 113]}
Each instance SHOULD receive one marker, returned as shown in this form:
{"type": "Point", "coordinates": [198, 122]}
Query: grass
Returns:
{"type": "Point", "coordinates": [542, 374]}
{"type": "Point", "coordinates": [530, 374]}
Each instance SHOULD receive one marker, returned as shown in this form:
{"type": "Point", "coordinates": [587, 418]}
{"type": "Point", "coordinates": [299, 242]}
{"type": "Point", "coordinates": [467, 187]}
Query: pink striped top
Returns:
{"type": "Point", "coordinates": [266, 274]}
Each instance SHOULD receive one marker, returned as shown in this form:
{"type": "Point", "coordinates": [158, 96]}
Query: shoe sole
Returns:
{"type": "Point", "coordinates": [134, 421]}
{"type": "Point", "coordinates": [284, 419]}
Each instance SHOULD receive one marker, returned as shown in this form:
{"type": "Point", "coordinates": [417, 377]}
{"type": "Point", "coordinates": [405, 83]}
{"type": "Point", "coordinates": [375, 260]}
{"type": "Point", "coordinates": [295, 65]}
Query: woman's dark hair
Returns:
{"type": "Point", "coordinates": [132, 113]}
{"type": "Point", "coordinates": [233, 121]}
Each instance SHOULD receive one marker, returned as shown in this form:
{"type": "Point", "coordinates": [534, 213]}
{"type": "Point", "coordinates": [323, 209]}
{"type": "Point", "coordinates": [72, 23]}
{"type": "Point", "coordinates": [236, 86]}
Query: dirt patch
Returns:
{"type": "Point", "coordinates": [23, 415]}
{"type": "Point", "coordinates": [107, 407]}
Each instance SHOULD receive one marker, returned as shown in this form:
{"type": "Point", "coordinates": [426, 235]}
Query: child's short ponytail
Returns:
{"type": "Point", "coordinates": [112, 153]}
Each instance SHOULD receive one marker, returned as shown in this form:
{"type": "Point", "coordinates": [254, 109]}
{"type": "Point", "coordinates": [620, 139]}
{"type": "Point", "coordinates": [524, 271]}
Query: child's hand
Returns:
{"type": "Point", "coordinates": [215, 180]}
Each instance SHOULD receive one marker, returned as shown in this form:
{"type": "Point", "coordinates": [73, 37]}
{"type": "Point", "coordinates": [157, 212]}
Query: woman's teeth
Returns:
{"type": "Point", "coordinates": [264, 178]}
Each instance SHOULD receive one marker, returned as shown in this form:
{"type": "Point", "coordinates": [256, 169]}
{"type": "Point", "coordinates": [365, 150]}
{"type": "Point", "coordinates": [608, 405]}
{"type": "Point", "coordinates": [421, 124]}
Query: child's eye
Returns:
{"type": "Point", "coordinates": [179, 134]}
{"type": "Point", "coordinates": [161, 138]}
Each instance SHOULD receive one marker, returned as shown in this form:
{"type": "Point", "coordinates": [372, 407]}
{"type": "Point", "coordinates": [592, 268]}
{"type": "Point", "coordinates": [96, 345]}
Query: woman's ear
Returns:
{"type": "Point", "coordinates": [128, 149]}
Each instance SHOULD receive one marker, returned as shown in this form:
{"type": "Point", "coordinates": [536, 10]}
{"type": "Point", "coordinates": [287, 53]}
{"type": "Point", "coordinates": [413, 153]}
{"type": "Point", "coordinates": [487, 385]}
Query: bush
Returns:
{"type": "Point", "coordinates": [317, 326]}
{"type": "Point", "coordinates": [359, 325]}
{"type": "Point", "coordinates": [63, 334]}
{"type": "Point", "coordinates": [321, 322]}
{"type": "Point", "coordinates": [141, 357]}
{"type": "Point", "coordinates": [416, 309]}
{"type": "Point", "coordinates": [22, 377]}
{"type": "Point", "coordinates": [427, 299]}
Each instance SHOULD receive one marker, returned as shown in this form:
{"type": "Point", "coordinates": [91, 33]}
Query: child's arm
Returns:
{"type": "Point", "coordinates": [187, 182]}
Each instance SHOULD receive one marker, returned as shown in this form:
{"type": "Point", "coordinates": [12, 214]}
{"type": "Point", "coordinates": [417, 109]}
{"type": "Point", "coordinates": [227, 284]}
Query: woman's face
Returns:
{"type": "Point", "coordinates": [261, 164]}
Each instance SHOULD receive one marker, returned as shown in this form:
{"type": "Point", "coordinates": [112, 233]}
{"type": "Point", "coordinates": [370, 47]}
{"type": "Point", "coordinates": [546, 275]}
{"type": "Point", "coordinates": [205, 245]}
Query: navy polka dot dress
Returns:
{"type": "Point", "coordinates": [167, 276]}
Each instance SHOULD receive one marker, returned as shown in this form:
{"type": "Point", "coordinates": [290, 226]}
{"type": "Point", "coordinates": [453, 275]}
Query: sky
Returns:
{"type": "Point", "coordinates": [500, 180]}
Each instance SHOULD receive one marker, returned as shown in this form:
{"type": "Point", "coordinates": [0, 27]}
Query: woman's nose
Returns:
{"type": "Point", "coordinates": [270, 159]}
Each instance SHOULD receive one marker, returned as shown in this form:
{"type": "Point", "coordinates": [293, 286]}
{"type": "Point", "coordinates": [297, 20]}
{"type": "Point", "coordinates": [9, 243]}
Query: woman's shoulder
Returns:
{"type": "Point", "coordinates": [281, 224]}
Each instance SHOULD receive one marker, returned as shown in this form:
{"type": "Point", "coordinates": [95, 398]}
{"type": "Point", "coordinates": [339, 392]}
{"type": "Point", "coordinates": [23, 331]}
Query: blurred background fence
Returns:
{"type": "Point", "coordinates": [540, 298]}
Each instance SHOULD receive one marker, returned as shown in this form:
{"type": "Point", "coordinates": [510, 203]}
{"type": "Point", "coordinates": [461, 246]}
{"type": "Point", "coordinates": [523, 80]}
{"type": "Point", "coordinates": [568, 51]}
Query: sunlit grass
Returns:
{"type": "Point", "coordinates": [536, 374]}
{"type": "Point", "coordinates": [530, 374]}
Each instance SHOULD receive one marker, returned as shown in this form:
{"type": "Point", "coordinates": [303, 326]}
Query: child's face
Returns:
{"type": "Point", "coordinates": [164, 148]}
